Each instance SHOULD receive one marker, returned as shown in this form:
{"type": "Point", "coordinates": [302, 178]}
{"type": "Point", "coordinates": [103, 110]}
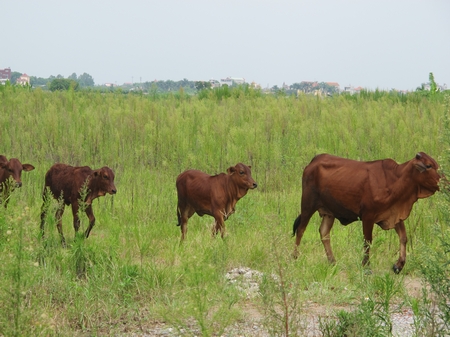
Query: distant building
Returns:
{"type": "Point", "coordinates": [24, 79]}
{"type": "Point", "coordinates": [226, 81]}
{"type": "Point", "coordinates": [5, 75]}
{"type": "Point", "coordinates": [334, 85]}
{"type": "Point", "coordinates": [214, 83]}
{"type": "Point", "coordinates": [352, 90]}
{"type": "Point", "coordinates": [232, 80]}
{"type": "Point", "coordinates": [427, 86]}
{"type": "Point", "coordinates": [255, 85]}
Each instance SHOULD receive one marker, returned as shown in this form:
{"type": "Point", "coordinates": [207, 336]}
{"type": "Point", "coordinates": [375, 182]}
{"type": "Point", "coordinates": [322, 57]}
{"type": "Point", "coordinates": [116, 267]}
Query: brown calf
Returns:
{"type": "Point", "coordinates": [216, 195]}
{"type": "Point", "coordinates": [66, 182]}
{"type": "Point", "coordinates": [11, 169]}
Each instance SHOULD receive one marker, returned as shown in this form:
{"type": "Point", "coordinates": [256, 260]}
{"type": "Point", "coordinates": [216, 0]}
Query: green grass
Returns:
{"type": "Point", "coordinates": [132, 269]}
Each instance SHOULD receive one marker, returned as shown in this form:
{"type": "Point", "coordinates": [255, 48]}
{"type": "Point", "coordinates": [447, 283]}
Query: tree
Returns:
{"type": "Point", "coordinates": [86, 80]}
{"type": "Point", "coordinates": [433, 85]}
{"type": "Point", "coordinates": [201, 85]}
{"type": "Point", "coordinates": [38, 81]}
{"type": "Point", "coordinates": [63, 84]}
{"type": "Point", "coordinates": [73, 77]}
{"type": "Point", "coordinates": [14, 76]}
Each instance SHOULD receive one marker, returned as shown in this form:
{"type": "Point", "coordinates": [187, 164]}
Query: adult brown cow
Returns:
{"type": "Point", "coordinates": [11, 169]}
{"type": "Point", "coordinates": [216, 195]}
{"type": "Point", "coordinates": [67, 182]}
{"type": "Point", "coordinates": [381, 192]}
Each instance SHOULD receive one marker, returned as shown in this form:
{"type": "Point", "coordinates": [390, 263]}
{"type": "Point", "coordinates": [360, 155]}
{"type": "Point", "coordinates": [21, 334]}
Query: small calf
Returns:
{"type": "Point", "coordinates": [11, 168]}
{"type": "Point", "coordinates": [216, 195]}
{"type": "Point", "coordinates": [66, 182]}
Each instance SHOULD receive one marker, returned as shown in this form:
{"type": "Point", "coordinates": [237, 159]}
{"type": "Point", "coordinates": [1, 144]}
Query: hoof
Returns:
{"type": "Point", "coordinates": [396, 269]}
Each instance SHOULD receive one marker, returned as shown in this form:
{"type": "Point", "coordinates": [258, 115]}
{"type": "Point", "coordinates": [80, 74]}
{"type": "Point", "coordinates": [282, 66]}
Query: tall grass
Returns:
{"type": "Point", "coordinates": [132, 270]}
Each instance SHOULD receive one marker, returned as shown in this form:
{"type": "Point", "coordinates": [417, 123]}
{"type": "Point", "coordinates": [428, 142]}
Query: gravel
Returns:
{"type": "Point", "coordinates": [247, 281]}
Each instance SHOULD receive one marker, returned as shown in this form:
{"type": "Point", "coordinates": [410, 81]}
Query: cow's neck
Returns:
{"type": "Point", "coordinates": [405, 188]}
{"type": "Point", "coordinates": [234, 194]}
{"type": "Point", "coordinates": [93, 191]}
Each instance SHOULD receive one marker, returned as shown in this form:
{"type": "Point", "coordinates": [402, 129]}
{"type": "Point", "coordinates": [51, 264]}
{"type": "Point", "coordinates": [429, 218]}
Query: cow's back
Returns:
{"type": "Point", "coordinates": [193, 184]}
{"type": "Point", "coordinates": [199, 190]}
{"type": "Point", "coordinates": [66, 179]}
{"type": "Point", "coordinates": [344, 186]}
{"type": "Point", "coordinates": [340, 175]}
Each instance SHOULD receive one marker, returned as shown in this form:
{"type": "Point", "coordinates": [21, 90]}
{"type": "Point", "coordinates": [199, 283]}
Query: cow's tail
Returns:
{"type": "Point", "coordinates": [296, 224]}
{"type": "Point", "coordinates": [179, 217]}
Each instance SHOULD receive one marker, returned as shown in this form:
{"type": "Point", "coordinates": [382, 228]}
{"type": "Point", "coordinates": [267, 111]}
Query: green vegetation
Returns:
{"type": "Point", "coordinates": [63, 84]}
{"type": "Point", "coordinates": [132, 271]}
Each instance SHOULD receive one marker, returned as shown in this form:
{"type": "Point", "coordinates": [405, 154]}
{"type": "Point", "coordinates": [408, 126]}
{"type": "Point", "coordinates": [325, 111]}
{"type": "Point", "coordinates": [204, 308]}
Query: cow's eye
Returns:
{"type": "Point", "coordinates": [428, 166]}
{"type": "Point", "coordinates": [241, 172]}
{"type": "Point", "coordinates": [105, 177]}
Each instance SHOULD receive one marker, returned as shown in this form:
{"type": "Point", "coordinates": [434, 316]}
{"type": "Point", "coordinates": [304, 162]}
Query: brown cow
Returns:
{"type": "Point", "coordinates": [381, 192]}
{"type": "Point", "coordinates": [66, 182]}
{"type": "Point", "coordinates": [216, 195]}
{"type": "Point", "coordinates": [11, 169]}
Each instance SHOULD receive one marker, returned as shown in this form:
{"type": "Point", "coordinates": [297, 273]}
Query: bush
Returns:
{"type": "Point", "coordinates": [63, 84]}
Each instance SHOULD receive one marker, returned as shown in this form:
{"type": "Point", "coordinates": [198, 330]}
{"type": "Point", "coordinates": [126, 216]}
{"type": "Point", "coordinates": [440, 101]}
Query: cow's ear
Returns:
{"type": "Point", "coordinates": [27, 167]}
{"type": "Point", "coordinates": [231, 170]}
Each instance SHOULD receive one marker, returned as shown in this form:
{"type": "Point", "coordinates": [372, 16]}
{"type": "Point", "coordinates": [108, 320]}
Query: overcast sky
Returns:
{"type": "Point", "coordinates": [374, 44]}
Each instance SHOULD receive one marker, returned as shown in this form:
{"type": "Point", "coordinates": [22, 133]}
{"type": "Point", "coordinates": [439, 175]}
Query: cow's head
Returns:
{"type": "Point", "coordinates": [242, 176]}
{"type": "Point", "coordinates": [427, 176]}
{"type": "Point", "coordinates": [103, 181]}
{"type": "Point", "coordinates": [13, 169]}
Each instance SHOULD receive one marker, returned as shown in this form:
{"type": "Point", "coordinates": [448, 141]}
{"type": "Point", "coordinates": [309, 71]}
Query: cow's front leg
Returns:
{"type": "Point", "coordinates": [219, 224]}
{"type": "Point", "coordinates": [90, 215]}
{"type": "Point", "coordinates": [59, 214]}
{"type": "Point", "coordinates": [401, 231]}
{"type": "Point", "coordinates": [76, 218]}
{"type": "Point", "coordinates": [367, 230]}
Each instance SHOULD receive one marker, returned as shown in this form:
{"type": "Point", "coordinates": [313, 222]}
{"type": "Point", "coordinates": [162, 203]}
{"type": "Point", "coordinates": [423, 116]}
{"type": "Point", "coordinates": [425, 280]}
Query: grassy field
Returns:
{"type": "Point", "coordinates": [132, 271]}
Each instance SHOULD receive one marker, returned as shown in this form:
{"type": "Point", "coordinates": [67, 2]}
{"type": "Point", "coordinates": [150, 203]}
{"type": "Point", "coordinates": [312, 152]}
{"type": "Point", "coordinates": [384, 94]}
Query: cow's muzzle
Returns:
{"type": "Point", "coordinates": [255, 185]}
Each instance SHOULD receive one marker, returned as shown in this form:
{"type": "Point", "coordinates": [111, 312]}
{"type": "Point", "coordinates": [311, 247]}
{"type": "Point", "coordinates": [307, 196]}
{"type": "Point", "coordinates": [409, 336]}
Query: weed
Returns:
{"type": "Point", "coordinates": [135, 262]}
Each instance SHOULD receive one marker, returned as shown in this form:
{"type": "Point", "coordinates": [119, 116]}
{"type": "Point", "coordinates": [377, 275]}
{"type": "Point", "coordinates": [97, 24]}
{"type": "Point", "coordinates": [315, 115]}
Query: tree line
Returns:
{"type": "Point", "coordinates": [86, 81]}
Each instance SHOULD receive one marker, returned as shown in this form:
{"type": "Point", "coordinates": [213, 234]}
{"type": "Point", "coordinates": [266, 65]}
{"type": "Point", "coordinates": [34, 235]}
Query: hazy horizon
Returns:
{"type": "Point", "coordinates": [372, 44]}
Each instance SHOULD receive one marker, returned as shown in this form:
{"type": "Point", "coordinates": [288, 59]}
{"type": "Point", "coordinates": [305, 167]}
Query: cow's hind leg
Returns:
{"type": "Point", "coordinates": [184, 213]}
{"type": "Point", "coordinates": [401, 231]}
{"type": "Point", "coordinates": [325, 229]}
{"type": "Point", "coordinates": [47, 197]}
{"type": "Point", "coordinates": [44, 210]}
{"type": "Point", "coordinates": [299, 228]}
